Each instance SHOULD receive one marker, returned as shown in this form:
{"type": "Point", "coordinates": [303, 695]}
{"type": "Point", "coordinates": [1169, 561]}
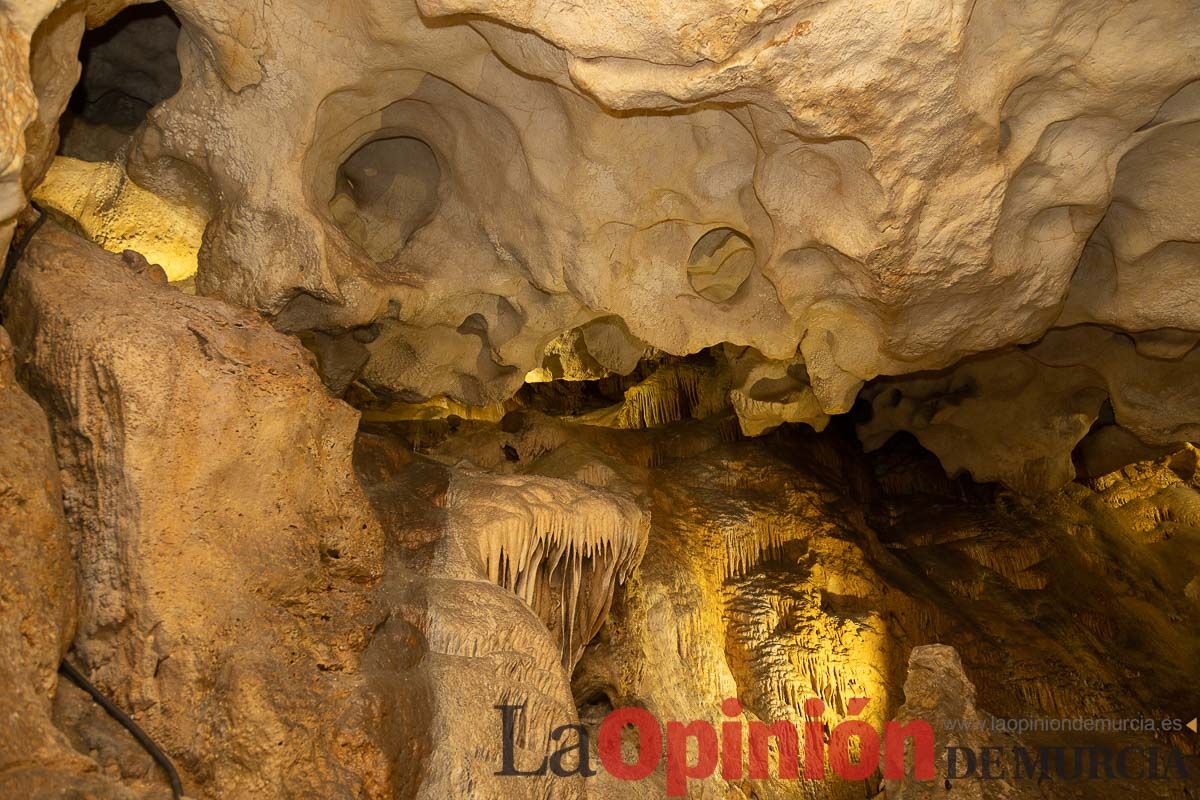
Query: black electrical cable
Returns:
{"type": "Point", "coordinates": [120, 716]}
{"type": "Point", "coordinates": [15, 251]}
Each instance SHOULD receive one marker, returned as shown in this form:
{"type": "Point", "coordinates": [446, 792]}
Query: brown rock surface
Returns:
{"type": "Point", "coordinates": [235, 602]}
{"type": "Point", "coordinates": [504, 579]}
{"type": "Point", "coordinates": [38, 614]}
{"type": "Point", "coordinates": [848, 189]}
{"type": "Point", "coordinates": [225, 550]}
{"type": "Point", "coordinates": [844, 191]}
{"type": "Point", "coordinates": [568, 256]}
{"type": "Point", "coordinates": [938, 691]}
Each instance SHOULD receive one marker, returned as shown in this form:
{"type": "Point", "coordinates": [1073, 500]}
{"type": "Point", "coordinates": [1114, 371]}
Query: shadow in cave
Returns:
{"type": "Point", "coordinates": [129, 65]}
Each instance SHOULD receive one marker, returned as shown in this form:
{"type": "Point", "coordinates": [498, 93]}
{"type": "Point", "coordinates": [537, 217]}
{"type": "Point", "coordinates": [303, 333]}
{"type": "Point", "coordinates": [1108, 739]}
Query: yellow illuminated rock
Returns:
{"type": "Point", "coordinates": [117, 214]}
{"type": "Point", "coordinates": [780, 361]}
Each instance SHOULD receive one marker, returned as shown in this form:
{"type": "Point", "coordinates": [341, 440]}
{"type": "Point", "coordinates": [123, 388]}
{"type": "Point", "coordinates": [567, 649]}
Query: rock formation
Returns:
{"type": "Point", "coordinates": [220, 540]}
{"type": "Point", "coordinates": [979, 178]}
{"type": "Point", "coordinates": [937, 690]}
{"type": "Point", "coordinates": [380, 366]}
{"type": "Point", "coordinates": [38, 594]}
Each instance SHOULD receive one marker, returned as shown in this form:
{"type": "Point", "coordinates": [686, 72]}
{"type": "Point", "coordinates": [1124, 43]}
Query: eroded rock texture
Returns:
{"type": "Point", "coordinates": [38, 43]}
{"type": "Point", "coordinates": [38, 614]}
{"type": "Point", "coordinates": [787, 567]}
{"type": "Point", "coordinates": [851, 189]}
{"type": "Point", "coordinates": [504, 578]}
{"type": "Point", "coordinates": [938, 690]}
{"type": "Point", "coordinates": [224, 549]}
{"type": "Point", "coordinates": [845, 190]}
{"type": "Point", "coordinates": [230, 563]}
{"type": "Point", "coordinates": [818, 599]}
{"type": "Point", "coordinates": [287, 622]}
{"type": "Point", "coordinates": [566, 258]}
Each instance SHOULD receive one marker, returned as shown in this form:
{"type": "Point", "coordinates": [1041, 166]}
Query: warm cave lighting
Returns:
{"type": "Point", "coordinates": [539, 375]}
{"type": "Point", "coordinates": [111, 210]}
{"type": "Point", "coordinates": [600, 400]}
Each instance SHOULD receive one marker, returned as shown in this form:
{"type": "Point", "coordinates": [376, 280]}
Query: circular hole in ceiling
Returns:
{"type": "Point", "coordinates": [720, 263]}
{"type": "Point", "coordinates": [385, 191]}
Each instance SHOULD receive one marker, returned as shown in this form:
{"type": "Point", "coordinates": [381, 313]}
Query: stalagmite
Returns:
{"type": "Point", "coordinates": [398, 387]}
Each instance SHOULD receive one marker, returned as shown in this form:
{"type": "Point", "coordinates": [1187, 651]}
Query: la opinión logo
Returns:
{"type": "Point", "coordinates": [728, 749]}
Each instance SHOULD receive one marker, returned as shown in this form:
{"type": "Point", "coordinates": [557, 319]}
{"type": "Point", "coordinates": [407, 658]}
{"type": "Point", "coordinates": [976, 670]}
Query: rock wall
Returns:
{"type": "Point", "coordinates": [38, 43]}
{"type": "Point", "coordinates": [872, 190]}
{"type": "Point", "coordinates": [288, 621]}
{"type": "Point", "coordinates": [38, 606]}
{"type": "Point", "coordinates": [604, 242]}
{"type": "Point", "coordinates": [846, 191]}
{"type": "Point", "coordinates": [790, 566]}
{"type": "Point", "coordinates": [224, 548]}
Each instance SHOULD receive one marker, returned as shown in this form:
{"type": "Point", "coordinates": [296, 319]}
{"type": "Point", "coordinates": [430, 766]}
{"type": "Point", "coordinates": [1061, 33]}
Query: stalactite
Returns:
{"type": "Point", "coordinates": [672, 393]}
{"type": "Point", "coordinates": [1015, 561]}
{"type": "Point", "coordinates": [759, 539]}
{"type": "Point", "coordinates": [559, 545]}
